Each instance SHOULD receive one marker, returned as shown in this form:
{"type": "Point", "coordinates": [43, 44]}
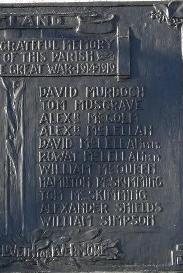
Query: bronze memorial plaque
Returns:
{"type": "Point", "coordinates": [91, 137]}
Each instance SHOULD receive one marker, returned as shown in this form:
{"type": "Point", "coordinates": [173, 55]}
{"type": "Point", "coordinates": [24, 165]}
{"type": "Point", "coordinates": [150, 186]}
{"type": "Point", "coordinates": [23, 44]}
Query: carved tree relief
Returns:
{"type": "Point", "coordinates": [14, 139]}
{"type": "Point", "coordinates": [172, 14]}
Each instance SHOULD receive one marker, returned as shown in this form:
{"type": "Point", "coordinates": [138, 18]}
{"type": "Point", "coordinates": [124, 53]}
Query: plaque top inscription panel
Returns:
{"type": "Point", "coordinates": [91, 137]}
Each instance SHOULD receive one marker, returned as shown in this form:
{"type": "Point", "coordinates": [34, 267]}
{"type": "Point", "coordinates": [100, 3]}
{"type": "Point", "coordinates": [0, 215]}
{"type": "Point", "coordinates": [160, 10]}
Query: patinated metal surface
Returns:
{"type": "Point", "coordinates": [91, 137]}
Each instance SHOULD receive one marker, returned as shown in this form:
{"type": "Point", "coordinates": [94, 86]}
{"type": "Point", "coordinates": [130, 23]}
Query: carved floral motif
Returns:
{"type": "Point", "coordinates": [171, 13]}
